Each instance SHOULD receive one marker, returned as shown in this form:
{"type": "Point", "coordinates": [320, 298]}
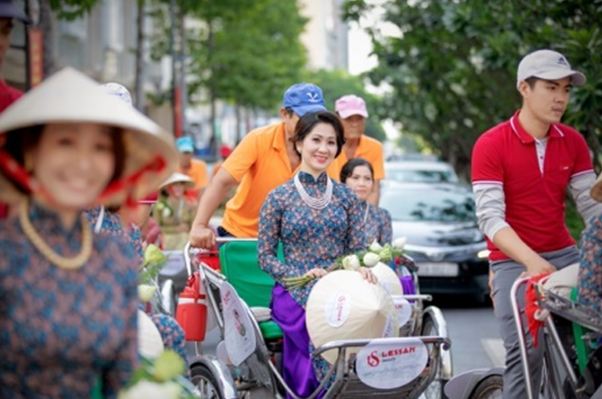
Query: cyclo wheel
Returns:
{"type": "Point", "coordinates": [489, 388]}
{"type": "Point", "coordinates": [435, 389]}
{"type": "Point", "coordinates": [205, 382]}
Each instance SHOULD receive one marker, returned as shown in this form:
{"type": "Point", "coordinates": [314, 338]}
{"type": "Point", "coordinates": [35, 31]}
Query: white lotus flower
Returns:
{"type": "Point", "coordinates": [351, 262]}
{"type": "Point", "coordinates": [152, 390]}
{"type": "Point", "coordinates": [399, 243]}
{"type": "Point", "coordinates": [371, 259]}
{"type": "Point", "coordinates": [146, 292]}
{"type": "Point", "coordinates": [375, 246]}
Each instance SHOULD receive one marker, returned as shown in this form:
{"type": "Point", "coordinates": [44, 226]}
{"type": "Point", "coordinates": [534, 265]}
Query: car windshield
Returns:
{"type": "Point", "coordinates": [435, 204]}
{"type": "Point", "coordinates": [424, 175]}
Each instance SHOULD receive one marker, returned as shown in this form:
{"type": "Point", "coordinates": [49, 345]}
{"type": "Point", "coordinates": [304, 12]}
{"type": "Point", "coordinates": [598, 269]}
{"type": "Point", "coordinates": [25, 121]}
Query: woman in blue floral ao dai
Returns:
{"type": "Point", "coordinates": [358, 175]}
{"type": "Point", "coordinates": [317, 220]}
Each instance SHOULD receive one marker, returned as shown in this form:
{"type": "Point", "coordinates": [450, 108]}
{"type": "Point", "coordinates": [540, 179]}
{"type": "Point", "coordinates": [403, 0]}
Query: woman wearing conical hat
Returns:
{"type": "Point", "coordinates": [175, 211]}
{"type": "Point", "coordinates": [68, 298]}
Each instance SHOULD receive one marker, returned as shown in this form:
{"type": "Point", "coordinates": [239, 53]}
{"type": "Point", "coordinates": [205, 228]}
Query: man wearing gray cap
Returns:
{"type": "Point", "coordinates": [521, 170]}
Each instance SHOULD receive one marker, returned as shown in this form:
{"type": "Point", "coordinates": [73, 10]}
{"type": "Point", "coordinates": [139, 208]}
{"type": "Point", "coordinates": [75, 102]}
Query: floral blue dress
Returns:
{"type": "Point", "coordinates": [589, 283]}
{"type": "Point", "coordinates": [377, 224]}
{"type": "Point", "coordinates": [62, 331]}
{"type": "Point", "coordinates": [171, 332]}
{"type": "Point", "coordinates": [310, 238]}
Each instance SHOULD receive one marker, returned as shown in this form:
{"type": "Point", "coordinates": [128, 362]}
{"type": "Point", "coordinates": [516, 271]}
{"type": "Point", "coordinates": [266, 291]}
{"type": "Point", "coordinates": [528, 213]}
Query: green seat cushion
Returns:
{"type": "Point", "coordinates": [239, 263]}
{"type": "Point", "coordinates": [270, 330]}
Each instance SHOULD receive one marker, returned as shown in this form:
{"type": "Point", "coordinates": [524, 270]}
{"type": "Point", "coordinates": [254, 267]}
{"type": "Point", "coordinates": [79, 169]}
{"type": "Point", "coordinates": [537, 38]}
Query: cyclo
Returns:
{"type": "Point", "coordinates": [246, 361]}
{"type": "Point", "coordinates": [571, 338]}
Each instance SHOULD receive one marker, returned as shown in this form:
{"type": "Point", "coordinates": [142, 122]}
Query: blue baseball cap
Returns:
{"type": "Point", "coordinates": [303, 98]}
{"type": "Point", "coordinates": [185, 144]}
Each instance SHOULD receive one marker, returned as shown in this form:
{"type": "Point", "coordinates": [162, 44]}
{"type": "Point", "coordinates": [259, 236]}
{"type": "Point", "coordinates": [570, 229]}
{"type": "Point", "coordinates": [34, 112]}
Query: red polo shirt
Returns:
{"type": "Point", "coordinates": [8, 95]}
{"type": "Point", "coordinates": [506, 155]}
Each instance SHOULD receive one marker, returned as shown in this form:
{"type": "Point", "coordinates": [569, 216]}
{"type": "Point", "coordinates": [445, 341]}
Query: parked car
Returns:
{"type": "Point", "coordinates": [420, 171]}
{"type": "Point", "coordinates": [440, 225]}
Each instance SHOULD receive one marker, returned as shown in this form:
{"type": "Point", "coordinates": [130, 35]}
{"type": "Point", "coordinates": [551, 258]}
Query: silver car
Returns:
{"type": "Point", "coordinates": [420, 171]}
{"type": "Point", "coordinates": [439, 223]}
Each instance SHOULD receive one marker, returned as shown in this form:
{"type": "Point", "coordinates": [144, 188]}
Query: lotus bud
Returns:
{"type": "Point", "coordinates": [351, 262]}
{"type": "Point", "coordinates": [151, 390]}
{"type": "Point", "coordinates": [168, 365]}
{"type": "Point", "coordinates": [371, 259]}
{"type": "Point", "coordinates": [146, 292]}
{"type": "Point", "coordinates": [375, 246]}
{"type": "Point", "coordinates": [399, 243]}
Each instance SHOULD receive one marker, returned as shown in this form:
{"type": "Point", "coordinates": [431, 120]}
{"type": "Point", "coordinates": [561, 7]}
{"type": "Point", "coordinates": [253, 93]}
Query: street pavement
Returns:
{"type": "Point", "coordinates": [474, 336]}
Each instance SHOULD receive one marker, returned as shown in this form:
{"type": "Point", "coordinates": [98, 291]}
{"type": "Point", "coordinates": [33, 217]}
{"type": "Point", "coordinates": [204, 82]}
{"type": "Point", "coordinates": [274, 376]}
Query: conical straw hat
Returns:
{"type": "Point", "coordinates": [177, 177]}
{"type": "Point", "coordinates": [150, 344]}
{"type": "Point", "coordinates": [342, 305]}
{"type": "Point", "coordinates": [71, 97]}
{"type": "Point", "coordinates": [387, 279]}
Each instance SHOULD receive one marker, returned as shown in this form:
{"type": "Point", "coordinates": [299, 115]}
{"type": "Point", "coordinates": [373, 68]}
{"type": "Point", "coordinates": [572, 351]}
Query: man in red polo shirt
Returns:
{"type": "Point", "coordinates": [521, 170]}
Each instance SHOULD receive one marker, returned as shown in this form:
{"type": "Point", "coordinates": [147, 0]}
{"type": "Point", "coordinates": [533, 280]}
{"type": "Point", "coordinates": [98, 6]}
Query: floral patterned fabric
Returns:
{"type": "Point", "coordinates": [61, 330]}
{"type": "Point", "coordinates": [111, 223]}
{"type": "Point", "coordinates": [590, 269]}
{"type": "Point", "coordinates": [378, 224]}
{"type": "Point", "coordinates": [172, 334]}
{"type": "Point", "coordinates": [310, 237]}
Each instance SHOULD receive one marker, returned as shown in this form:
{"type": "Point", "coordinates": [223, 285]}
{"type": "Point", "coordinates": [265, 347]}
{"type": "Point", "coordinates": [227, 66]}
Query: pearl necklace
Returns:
{"type": "Point", "coordinates": [58, 260]}
{"type": "Point", "coordinates": [313, 202]}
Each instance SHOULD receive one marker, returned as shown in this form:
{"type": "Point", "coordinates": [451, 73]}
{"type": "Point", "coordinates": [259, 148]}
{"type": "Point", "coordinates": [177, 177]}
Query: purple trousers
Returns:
{"type": "Point", "coordinates": [298, 370]}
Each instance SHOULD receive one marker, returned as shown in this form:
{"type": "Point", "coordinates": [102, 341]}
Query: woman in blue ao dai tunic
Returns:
{"type": "Point", "coordinates": [358, 175]}
{"type": "Point", "coordinates": [317, 220]}
{"type": "Point", "coordinates": [68, 298]}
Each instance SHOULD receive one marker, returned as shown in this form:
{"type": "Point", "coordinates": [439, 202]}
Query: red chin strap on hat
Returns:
{"type": "Point", "coordinates": [127, 183]}
{"type": "Point", "coordinates": [17, 173]}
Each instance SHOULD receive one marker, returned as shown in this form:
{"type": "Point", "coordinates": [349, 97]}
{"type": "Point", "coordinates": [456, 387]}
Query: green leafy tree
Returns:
{"type": "Point", "coordinates": [452, 66]}
{"type": "Point", "coordinates": [249, 51]}
{"type": "Point", "coordinates": [337, 83]}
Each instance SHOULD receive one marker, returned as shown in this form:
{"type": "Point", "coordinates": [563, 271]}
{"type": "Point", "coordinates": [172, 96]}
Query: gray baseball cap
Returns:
{"type": "Point", "coordinates": [549, 65]}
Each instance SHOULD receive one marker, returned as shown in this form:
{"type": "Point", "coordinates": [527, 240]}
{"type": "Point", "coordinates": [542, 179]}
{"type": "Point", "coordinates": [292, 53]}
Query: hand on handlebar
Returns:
{"type": "Point", "coordinates": [539, 266]}
{"type": "Point", "coordinates": [202, 237]}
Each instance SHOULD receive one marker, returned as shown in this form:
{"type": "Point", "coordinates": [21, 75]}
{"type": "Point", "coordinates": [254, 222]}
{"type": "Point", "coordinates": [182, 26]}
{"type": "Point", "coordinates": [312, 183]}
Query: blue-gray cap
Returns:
{"type": "Point", "coordinates": [303, 98]}
{"type": "Point", "coordinates": [9, 10]}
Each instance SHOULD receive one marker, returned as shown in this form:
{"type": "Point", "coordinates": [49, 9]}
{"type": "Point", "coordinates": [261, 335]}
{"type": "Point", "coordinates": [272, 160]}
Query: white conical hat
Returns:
{"type": "Point", "coordinates": [71, 97]}
{"type": "Point", "coordinates": [342, 305]}
{"type": "Point", "coordinates": [177, 177]}
{"type": "Point", "coordinates": [150, 344]}
{"type": "Point", "coordinates": [387, 279]}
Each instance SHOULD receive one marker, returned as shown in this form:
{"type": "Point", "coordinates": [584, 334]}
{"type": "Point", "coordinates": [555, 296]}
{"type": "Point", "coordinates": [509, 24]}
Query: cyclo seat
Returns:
{"type": "Point", "coordinates": [239, 263]}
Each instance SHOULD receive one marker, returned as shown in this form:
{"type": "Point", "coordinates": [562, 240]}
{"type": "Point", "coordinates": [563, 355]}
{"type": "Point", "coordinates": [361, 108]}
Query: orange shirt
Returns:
{"type": "Point", "coordinates": [259, 163]}
{"type": "Point", "coordinates": [370, 149]}
{"type": "Point", "coordinates": [197, 172]}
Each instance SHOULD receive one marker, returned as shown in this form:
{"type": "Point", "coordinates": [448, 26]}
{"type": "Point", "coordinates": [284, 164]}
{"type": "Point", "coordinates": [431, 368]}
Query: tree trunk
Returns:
{"type": "Point", "coordinates": [47, 25]}
{"type": "Point", "coordinates": [140, 56]}
{"type": "Point", "coordinates": [238, 123]}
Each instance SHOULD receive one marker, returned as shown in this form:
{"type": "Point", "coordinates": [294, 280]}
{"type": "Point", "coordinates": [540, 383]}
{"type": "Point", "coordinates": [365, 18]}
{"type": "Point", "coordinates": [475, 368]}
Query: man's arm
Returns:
{"type": "Point", "coordinates": [579, 187]}
{"type": "Point", "coordinates": [219, 187]}
{"type": "Point", "coordinates": [491, 216]}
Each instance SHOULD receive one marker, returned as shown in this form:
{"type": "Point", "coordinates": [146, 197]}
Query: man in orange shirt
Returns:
{"type": "Point", "coordinates": [263, 160]}
{"type": "Point", "coordinates": [193, 168]}
{"type": "Point", "coordinates": [353, 113]}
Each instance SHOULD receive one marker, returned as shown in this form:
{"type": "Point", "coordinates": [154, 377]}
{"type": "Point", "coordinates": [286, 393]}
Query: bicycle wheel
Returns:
{"type": "Point", "coordinates": [435, 389]}
{"type": "Point", "coordinates": [205, 382]}
{"type": "Point", "coordinates": [489, 388]}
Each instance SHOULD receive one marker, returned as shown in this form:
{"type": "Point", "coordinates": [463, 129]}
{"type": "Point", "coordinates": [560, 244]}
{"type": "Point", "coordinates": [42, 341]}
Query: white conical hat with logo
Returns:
{"type": "Point", "coordinates": [342, 305]}
{"type": "Point", "coordinates": [387, 278]}
{"type": "Point", "coordinates": [71, 97]}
